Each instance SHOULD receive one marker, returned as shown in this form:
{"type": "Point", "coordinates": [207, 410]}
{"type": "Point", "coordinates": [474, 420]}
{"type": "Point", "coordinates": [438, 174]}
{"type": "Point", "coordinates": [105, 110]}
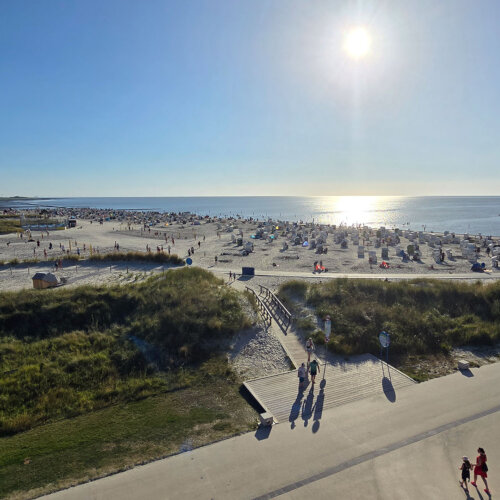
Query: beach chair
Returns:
{"type": "Point", "coordinates": [361, 252]}
{"type": "Point", "coordinates": [385, 253]}
{"type": "Point", "coordinates": [372, 257]}
{"type": "Point", "coordinates": [436, 254]}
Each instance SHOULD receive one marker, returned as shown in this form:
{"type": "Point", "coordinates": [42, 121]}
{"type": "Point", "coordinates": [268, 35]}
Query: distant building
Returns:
{"type": "Point", "coordinates": [44, 280]}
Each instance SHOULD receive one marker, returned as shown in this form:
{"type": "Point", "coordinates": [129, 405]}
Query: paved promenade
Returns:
{"type": "Point", "coordinates": [494, 275]}
{"type": "Point", "coordinates": [408, 446]}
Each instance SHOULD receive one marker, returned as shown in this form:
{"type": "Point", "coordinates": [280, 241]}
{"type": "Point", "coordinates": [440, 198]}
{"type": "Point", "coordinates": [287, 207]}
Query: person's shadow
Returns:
{"type": "Point", "coordinates": [295, 411]}
{"type": "Point", "coordinates": [318, 406]}
{"type": "Point", "coordinates": [307, 406]}
{"type": "Point", "coordinates": [468, 495]}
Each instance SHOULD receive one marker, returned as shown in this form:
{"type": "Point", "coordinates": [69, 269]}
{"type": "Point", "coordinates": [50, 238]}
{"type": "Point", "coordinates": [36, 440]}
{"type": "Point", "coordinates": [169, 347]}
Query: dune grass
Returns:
{"type": "Point", "coordinates": [72, 350]}
{"type": "Point", "coordinates": [9, 224]}
{"type": "Point", "coordinates": [95, 379]}
{"type": "Point", "coordinates": [422, 316]}
{"type": "Point", "coordinates": [159, 257]}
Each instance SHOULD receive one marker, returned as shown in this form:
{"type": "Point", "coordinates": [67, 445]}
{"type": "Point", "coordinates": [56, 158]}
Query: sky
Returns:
{"type": "Point", "coordinates": [248, 97]}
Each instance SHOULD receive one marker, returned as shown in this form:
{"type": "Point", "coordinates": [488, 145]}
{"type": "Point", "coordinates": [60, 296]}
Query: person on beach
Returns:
{"type": "Point", "coordinates": [314, 370]}
{"type": "Point", "coordinates": [230, 275]}
{"type": "Point", "coordinates": [309, 348]}
{"type": "Point", "coordinates": [481, 469]}
{"type": "Point", "coordinates": [302, 373]}
{"type": "Point", "coordinates": [465, 468]}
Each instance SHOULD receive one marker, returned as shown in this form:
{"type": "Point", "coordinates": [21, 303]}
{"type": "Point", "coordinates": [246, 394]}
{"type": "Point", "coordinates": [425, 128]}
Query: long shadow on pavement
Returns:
{"type": "Point", "coordinates": [307, 406]}
{"type": "Point", "coordinates": [318, 406]}
{"type": "Point", "coordinates": [295, 411]}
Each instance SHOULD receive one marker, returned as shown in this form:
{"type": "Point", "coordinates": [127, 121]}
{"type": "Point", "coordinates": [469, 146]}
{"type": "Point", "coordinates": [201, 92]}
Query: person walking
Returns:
{"type": "Point", "coordinates": [481, 469]}
{"type": "Point", "coordinates": [314, 370]}
{"type": "Point", "coordinates": [465, 468]}
{"type": "Point", "coordinates": [302, 373]}
{"type": "Point", "coordinates": [309, 348]}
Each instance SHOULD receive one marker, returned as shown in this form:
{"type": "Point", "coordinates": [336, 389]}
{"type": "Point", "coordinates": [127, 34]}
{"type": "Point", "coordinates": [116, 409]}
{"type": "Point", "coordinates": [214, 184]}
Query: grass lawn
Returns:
{"type": "Point", "coordinates": [73, 450]}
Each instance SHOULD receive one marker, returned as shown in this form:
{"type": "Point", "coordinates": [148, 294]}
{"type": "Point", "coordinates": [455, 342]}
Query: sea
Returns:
{"type": "Point", "coordinates": [459, 214]}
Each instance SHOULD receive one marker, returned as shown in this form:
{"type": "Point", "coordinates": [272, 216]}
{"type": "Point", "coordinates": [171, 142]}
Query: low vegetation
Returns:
{"type": "Point", "coordinates": [422, 316]}
{"type": "Point", "coordinates": [159, 257]}
{"type": "Point", "coordinates": [143, 362]}
{"type": "Point", "coordinates": [89, 347]}
{"type": "Point", "coordinates": [9, 224]}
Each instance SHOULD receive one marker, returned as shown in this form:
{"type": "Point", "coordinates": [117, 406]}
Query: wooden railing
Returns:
{"type": "Point", "coordinates": [264, 311]}
{"type": "Point", "coordinates": [281, 314]}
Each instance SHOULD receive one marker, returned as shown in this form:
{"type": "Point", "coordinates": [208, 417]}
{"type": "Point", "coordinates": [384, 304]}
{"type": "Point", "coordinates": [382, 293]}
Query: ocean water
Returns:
{"type": "Point", "coordinates": [460, 214]}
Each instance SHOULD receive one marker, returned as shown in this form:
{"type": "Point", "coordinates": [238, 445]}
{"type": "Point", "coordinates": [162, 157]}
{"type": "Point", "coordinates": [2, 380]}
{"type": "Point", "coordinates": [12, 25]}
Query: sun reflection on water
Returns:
{"type": "Point", "coordinates": [351, 210]}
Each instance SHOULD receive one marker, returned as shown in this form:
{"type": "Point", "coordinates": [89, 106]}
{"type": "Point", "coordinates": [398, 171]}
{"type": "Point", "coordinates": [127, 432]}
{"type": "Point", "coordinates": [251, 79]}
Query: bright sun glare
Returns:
{"type": "Point", "coordinates": [357, 43]}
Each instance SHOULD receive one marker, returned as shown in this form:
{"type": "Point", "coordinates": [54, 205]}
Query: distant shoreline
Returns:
{"type": "Point", "coordinates": [470, 214]}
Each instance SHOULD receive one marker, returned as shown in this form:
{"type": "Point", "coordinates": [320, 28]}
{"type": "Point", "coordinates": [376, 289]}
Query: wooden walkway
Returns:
{"type": "Point", "coordinates": [342, 383]}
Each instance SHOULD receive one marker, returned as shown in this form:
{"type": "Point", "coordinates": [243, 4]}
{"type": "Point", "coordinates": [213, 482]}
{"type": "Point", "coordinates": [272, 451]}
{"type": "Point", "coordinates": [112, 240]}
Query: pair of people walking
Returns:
{"type": "Point", "coordinates": [480, 469]}
{"type": "Point", "coordinates": [312, 368]}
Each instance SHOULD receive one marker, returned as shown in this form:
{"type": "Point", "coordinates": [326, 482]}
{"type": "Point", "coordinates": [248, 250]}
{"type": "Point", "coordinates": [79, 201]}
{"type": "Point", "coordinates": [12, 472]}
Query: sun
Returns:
{"type": "Point", "coordinates": [358, 43]}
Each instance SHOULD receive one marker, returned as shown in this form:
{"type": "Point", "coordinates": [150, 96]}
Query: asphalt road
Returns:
{"type": "Point", "coordinates": [405, 445]}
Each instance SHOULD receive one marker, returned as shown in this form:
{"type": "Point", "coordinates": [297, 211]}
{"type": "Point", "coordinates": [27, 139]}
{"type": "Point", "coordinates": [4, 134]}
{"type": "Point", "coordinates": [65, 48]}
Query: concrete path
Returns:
{"type": "Point", "coordinates": [494, 275]}
{"type": "Point", "coordinates": [407, 447]}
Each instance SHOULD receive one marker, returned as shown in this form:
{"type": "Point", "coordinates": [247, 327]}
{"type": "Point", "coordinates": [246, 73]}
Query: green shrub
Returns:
{"type": "Point", "coordinates": [422, 316]}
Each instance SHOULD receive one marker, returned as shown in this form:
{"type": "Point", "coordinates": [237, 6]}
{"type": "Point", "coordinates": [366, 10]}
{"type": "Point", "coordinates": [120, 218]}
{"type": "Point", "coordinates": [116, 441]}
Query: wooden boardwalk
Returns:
{"type": "Point", "coordinates": [342, 383]}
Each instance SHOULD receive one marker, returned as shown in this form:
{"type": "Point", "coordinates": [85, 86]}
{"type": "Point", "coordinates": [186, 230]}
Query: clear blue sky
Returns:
{"type": "Point", "coordinates": [208, 97]}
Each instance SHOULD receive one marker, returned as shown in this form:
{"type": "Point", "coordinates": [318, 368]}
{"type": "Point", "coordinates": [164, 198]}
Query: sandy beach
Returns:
{"type": "Point", "coordinates": [277, 249]}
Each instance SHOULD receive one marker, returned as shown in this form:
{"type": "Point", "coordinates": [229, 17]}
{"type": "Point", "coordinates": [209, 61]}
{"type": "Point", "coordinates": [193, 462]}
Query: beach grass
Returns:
{"type": "Point", "coordinates": [97, 379]}
{"type": "Point", "coordinates": [71, 351]}
{"type": "Point", "coordinates": [9, 224]}
{"type": "Point", "coordinates": [159, 257]}
{"type": "Point", "coordinates": [422, 316]}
